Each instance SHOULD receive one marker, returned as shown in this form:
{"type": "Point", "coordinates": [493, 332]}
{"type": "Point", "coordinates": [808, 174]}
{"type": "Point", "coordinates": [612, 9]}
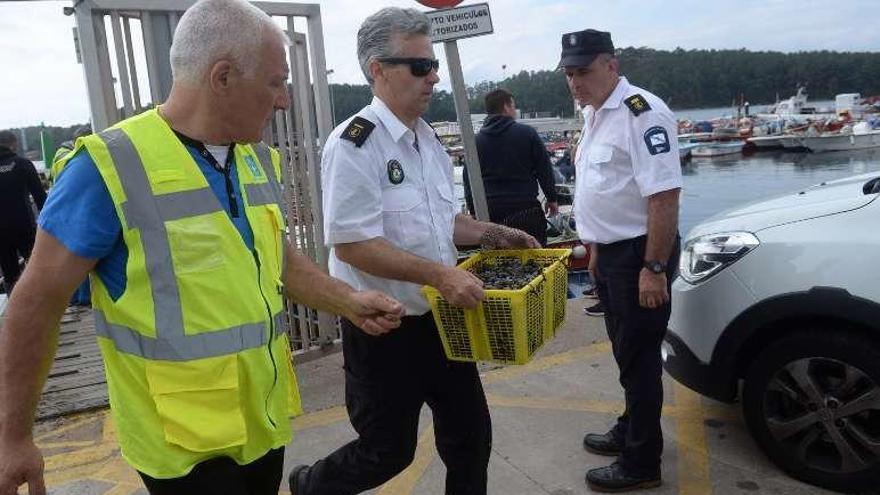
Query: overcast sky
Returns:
{"type": "Point", "coordinates": [42, 82]}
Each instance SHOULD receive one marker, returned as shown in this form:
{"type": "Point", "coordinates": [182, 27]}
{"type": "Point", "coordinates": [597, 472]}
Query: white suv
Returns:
{"type": "Point", "coordinates": [784, 296]}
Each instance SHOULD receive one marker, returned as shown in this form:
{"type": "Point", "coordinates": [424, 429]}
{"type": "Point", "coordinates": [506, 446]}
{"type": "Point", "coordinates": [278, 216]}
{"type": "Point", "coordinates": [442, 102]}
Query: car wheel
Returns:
{"type": "Point", "coordinates": [812, 402]}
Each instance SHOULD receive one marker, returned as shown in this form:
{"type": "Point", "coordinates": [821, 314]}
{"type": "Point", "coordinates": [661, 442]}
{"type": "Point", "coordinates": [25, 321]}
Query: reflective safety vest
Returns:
{"type": "Point", "coordinates": [198, 364]}
{"type": "Point", "coordinates": [58, 163]}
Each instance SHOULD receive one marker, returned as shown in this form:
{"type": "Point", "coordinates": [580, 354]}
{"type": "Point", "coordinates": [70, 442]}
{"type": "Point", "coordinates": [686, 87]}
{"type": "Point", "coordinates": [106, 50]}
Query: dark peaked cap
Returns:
{"type": "Point", "coordinates": [580, 48]}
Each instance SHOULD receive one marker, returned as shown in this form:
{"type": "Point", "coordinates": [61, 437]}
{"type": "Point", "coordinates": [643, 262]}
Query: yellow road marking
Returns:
{"type": "Point", "coordinates": [67, 445]}
{"type": "Point", "coordinates": [677, 411]}
{"type": "Point", "coordinates": [109, 430]}
{"type": "Point", "coordinates": [319, 418]}
{"type": "Point", "coordinates": [71, 423]}
{"type": "Point", "coordinates": [693, 455]}
{"type": "Point", "coordinates": [119, 472]}
{"type": "Point", "coordinates": [76, 473]}
{"type": "Point", "coordinates": [122, 489]}
{"type": "Point", "coordinates": [555, 403]}
{"type": "Point", "coordinates": [69, 465]}
{"type": "Point", "coordinates": [547, 362]}
{"type": "Point", "coordinates": [405, 482]}
{"type": "Point", "coordinates": [98, 454]}
{"type": "Point", "coordinates": [100, 459]}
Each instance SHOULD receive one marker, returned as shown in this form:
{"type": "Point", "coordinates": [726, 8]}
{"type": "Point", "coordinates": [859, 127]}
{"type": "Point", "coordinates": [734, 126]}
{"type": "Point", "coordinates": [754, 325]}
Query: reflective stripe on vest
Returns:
{"type": "Point", "coordinates": [270, 192]}
{"type": "Point", "coordinates": [148, 213]}
{"type": "Point", "coordinates": [188, 347]}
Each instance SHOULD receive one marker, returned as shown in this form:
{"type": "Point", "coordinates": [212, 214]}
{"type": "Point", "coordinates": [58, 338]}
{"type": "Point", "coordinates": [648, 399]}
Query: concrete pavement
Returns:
{"type": "Point", "coordinates": [540, 412]}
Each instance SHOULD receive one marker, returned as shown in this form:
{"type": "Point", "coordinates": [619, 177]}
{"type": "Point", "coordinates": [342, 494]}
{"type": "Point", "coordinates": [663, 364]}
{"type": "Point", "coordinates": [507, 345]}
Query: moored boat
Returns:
{"type": "Point", "coordinates": [718, 149]}
{"type": "Point", "coordinates": [764, 142]}
{"type": "Point", "coordinates": [791, 141]}
{"type": "Point", "coordinates": [795, 108]}
{"type": "Point", "coordinates": [685, 149]}
{"type": "Point", "coordinates": [842, 141]}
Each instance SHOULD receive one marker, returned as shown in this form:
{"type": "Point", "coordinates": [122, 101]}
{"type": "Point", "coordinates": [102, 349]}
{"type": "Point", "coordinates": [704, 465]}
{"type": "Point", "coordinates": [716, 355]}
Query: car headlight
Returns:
{"type": "Point", "coordinates": [707, 255]}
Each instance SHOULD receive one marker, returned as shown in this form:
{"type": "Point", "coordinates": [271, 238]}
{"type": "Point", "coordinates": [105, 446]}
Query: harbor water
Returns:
{"type": "Point", "coordinates": [712, 185]}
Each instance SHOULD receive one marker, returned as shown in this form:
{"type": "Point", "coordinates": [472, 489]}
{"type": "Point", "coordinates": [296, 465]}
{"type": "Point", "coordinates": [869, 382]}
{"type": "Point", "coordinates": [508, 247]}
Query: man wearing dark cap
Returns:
{"type": "Point", "coordinates": [627, 187]}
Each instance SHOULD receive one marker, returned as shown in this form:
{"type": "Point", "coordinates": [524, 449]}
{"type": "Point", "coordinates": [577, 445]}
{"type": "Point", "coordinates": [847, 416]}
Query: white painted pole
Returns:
{"type": "Point", "coordinates": [132, 69]}
{"type": "Point", "coordinates": [472, 160]}
{"type": "Point", "coordinates": [121, 64]}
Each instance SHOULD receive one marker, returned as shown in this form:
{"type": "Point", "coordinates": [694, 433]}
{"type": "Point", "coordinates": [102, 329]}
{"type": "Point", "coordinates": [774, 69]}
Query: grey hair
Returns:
{"type": "Point", "coordinates": [376, 35]}
{"type": "Point", "coordinates": [212, 30]}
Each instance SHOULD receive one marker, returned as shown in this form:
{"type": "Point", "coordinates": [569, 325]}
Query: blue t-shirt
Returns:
{"type": "Point", "coordinates": [79, 212]}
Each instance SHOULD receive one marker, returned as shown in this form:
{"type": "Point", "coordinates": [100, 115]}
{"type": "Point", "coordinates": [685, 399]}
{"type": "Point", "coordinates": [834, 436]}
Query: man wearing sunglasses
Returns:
{"type": "Point", "coordinates": [390, 220]}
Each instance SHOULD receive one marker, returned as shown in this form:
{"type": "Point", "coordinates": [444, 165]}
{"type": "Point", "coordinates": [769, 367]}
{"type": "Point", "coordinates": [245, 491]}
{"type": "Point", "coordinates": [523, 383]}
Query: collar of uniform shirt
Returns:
{"type": "Point", "coordinates": [395, 127]}
{"type": "Point", "coordinates": [617, 95]}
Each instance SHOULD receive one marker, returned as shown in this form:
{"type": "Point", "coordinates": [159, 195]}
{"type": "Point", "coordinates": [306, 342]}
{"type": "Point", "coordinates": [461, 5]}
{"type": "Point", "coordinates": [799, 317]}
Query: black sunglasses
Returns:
{"type": "Point", "coordinates": [419, 67]}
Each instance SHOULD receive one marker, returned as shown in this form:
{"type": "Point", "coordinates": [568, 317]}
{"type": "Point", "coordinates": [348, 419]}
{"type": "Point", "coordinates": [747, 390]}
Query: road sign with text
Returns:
{"type": "Point", "coordinates": [460, 22]}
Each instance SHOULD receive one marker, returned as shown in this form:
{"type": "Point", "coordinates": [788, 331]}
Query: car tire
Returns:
{"type": "Point", "coordinates": [812, 402]}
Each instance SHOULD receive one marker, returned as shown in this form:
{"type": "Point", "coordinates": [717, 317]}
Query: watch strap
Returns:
{"type": "Point", "coordinates": [655, 266]}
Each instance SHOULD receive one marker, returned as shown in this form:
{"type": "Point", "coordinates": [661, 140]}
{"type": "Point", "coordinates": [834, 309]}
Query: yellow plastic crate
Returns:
{"type": "Point", "coordinates": [510, 325]}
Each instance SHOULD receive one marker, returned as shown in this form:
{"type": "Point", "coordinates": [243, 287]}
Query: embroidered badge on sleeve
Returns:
{"type": "Point", "coordinates": [657, 140]}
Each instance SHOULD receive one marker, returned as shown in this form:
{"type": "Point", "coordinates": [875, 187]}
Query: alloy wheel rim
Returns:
{"type": "Point", "coordinates": [825, 414]}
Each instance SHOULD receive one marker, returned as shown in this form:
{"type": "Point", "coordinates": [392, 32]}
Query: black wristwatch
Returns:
{"type": "Point", "coordinates": [655, 266]}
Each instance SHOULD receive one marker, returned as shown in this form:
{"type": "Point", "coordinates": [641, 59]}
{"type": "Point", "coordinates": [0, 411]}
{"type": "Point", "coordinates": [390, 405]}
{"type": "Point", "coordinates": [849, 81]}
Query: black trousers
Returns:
{"type": "Point", "coordinates": [527, 216]}
{"type": "Point", "coordinates": [636, 334]}
{"type": "Point", "coordinates": [222, 476]}
{"type": "Point", "coordinates": [14, 242]}
{"type": "Point", "coordinates": [387, 381]}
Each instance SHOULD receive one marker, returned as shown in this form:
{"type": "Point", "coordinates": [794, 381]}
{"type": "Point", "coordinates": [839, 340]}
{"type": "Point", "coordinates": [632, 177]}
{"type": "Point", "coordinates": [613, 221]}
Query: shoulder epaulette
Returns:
{"type": "Point", "coordinates": [358, 131]}
{"type": "Point", "coordinates": [637, 104]}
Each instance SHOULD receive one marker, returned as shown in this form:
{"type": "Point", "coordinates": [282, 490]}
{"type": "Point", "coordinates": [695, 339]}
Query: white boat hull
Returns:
{"type": "Point", "coordinates": [685, 149]}
{"type": "Point", "coordinates": [711, 150]}
{"type": "Point", "coordinates": [801, 118]}
{"type": "Point", "coordinates": [791, 142]}
{"type": "Point", "coordinates": [765, 141]}
{"type": "Point", "coordinates": [842, 142]}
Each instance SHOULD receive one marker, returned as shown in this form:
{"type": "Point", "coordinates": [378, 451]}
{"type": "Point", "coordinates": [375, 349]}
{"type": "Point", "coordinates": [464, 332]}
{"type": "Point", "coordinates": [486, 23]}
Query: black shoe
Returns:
{"type": "Point", "coordinates": [595, 310]}
{"type": "Point", "coordinates": [603, 444]}
{"type": "Point", "coordinates": [615, 479]}
{"type": "Point", "coordinates": [297, 479]}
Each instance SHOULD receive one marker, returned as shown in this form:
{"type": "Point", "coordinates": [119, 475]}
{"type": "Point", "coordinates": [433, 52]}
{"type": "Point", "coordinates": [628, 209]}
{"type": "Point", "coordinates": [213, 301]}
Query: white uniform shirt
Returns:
{"type": "Point", "coordinates": [362, 201]}
{"type": "Point", "coordinates": [622, 159]}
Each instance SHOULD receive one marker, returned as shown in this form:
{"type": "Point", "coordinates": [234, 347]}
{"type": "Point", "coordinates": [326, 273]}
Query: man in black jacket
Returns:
{"type": "Point", "coordinates": [512, 159]}
{"type": "Point", "coordinates": [18, 180]}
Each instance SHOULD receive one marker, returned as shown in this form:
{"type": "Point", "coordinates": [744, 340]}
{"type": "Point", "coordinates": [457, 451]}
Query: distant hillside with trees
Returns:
{"type": "Point", "coordinates": [56, 133]}
{"type": "Point", "coordinates": [711, 78]}
{"type": "Point", "coordinates": [683, 78]}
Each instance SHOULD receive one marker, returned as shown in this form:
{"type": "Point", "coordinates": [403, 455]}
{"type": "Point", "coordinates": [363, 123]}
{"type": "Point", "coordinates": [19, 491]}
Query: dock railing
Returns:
{"type": "Point", "coordinates": [138, 33]}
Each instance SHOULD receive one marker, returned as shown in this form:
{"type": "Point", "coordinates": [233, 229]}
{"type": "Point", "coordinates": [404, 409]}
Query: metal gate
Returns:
{"type": "Point", "coordinates": [298, 133]}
